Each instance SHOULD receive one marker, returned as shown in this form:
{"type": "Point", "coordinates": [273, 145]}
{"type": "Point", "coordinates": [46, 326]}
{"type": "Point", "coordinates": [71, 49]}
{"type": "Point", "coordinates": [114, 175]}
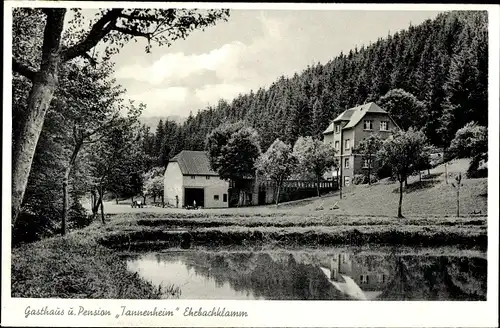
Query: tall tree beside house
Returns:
{"type": "Point", "coordinates": [277, 164]}
{"type": "Point", "coordinates": [404, 108]}
{"type": "Point", "coordinates": [314, 156]}
{"type": "Point", "coordinates": [401, 152]}
{"type": "Point", "coordinates": [232, 151]}
{"type": "Point", "coordinates": [115, 27]}
{"type": "Point", "coordinates": [368, 148]}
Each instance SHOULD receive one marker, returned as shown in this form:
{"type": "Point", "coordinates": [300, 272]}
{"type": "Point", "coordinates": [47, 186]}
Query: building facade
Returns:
{"type": "Point", "coordinates": [346, 132]}
{"type": "Point", "coordinates": [189, 180]}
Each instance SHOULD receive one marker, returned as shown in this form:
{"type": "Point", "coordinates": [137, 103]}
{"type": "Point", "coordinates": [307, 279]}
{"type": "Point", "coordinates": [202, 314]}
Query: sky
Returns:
{"type": "Point", "coordinates": [251, 50]}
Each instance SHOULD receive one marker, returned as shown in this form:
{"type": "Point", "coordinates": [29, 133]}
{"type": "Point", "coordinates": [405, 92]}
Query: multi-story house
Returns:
{"type": "Point", "coordinates": [348, 129]}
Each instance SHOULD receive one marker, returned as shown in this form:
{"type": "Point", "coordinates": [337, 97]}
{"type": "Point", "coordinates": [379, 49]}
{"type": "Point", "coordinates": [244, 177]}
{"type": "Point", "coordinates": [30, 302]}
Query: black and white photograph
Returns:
{"type": "Point", "coordinates": [219, 153]}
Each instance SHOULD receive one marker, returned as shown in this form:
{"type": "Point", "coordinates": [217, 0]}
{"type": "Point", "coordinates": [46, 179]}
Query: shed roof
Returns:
{"type": "Point", "coordinates": [194, 163]}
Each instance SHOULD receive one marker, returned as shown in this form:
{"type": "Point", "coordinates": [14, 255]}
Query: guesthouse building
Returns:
{"type": "Point", "coordinates": [346, 132]}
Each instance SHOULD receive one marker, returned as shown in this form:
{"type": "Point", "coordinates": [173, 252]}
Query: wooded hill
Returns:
{"type": "Point", "coordinates": [442, 62]}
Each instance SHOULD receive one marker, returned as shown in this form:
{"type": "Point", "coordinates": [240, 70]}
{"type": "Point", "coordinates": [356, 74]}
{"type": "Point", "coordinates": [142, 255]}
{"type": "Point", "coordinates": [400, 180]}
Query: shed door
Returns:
{"type": "Point", "coordinates": [194, 194]}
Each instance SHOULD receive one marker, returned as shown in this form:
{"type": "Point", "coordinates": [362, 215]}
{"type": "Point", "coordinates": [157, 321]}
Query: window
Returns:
{"type": "Point", "coordinates": [346, 163]}
{"type": "Point", "coordinates": [337, 143]}
{"type": "Point", "coordinates": [346, 146]}
{"type": "Point", "coordinates": [384, 126]}
{"type": "Point", "coordinates": [216, 197]}
{"type": "Point", "coordinates": [208, 177]}
{"type": "Point", "coordinates": [337, 128]}
{"type": "Point", "coordinates": [367, 125]}
{"type": "Point", "coordinates": [344, 258]}
{"type": "Point", "coordinates": [381, 278]}
{"type": "Point", "coordinates": [224, 198]}
{"type": "Point", "coordinates": [347, 181]}
{"type": "Point", "coordinates": [192, 177]}
{"type": "Point", "coordinates": [367, 163]}
{"type": "Point", "coordinates": [363, 278]}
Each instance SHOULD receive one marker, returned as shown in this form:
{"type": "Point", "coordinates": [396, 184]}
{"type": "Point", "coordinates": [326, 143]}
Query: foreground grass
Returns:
{"type": "Point", "coordinates": [74, 268]}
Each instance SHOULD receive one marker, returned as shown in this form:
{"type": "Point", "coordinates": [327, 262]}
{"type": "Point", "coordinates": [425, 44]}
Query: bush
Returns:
{"type": "Point", "coordinates": [363, 179]}
{"type": "Point", "coordinates": [359, 179]}
{"type": "Point", "coordinates": [78, 217]}
{"type": "Point", "coordinates": [475, 169]}
{"type": "Point", "coordinates": [384, 171]}
{"type": "Point", "coordinates": [31, 227]}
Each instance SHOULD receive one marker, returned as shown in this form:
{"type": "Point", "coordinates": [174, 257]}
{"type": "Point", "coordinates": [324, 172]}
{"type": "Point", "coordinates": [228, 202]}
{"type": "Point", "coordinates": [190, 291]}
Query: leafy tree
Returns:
{"type": "Point", "coordinates": [92, 105]}
{"type": "Point", "coordinates": [470, 141]}
{"type": "Point", "coordinates": [114, 159]}
{"type": "Point", "coordinates": [277, 163]}
{"type": "Point", "coordinates": [314, 156]}
{"type": "Point", "coordinates": [153, 183]}
{"type": "Point", "coordinates": [115, 27]}
{"type": "Point", "coordinates": [368, 148]}
{"type": "Point", "coordinates": [404, 108]}
{"type": "Point", "coordinates": [401, 151]}
{"type": "Point", "coordinates": [233, 150]}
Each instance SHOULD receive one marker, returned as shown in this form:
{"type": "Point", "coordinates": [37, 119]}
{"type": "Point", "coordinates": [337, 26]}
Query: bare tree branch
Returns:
{"type": "Point", "coordinates": [98, 31]}
{"type": "Point", "coordinates": [23, 70]}
{"type": "Point", "coordinates": [133, 32]}
{"type": "Point", "coordinates": [140, 18]}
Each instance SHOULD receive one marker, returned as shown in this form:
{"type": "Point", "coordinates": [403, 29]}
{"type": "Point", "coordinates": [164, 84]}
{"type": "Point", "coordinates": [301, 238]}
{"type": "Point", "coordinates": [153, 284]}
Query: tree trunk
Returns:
{"type": "Point", "coordinates": [116, 198]}
{"type": "Point", "coordinates": [101, 192]}
{"type": "Point", "coordinates": [406, 182]}
{"type": "Point", "coordinates": [400, 215]}
{"type": "Point", "coordinates": [446, 172]}
{"type": "Point", "coordinates": [154, 198]}
{"type": "Point", "coordinates": [278, 193]}
{"type": "Point", "coordinates": [67, 173]}
{"type": "Point", "coordinates": [162, 200]}
{"type": "Point", "coordinates": [317, 184]}
{"type": "Point", "coordinates": [144, 200]}
{"type": "Point", "coordinates": [369, 173]}
{"type": "Point", "coordinates": [458, 202]}
{"type": "Point", "coordinates": [240, 197]}
{"type": "Point", "coordinates": [31, 122]}
{"type": "Point", "coordinates": [420, 175]}
{"type": "Point", "coordinates": [428, 171]}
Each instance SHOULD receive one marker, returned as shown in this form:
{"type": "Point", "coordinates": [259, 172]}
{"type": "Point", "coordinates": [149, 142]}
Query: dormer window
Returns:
{"type": "Point", "coordinates": [368, 125]}
{"type": "Point", "coordinates": [337, 128]}
{"type": "Point", "coordinates": [384, 126]}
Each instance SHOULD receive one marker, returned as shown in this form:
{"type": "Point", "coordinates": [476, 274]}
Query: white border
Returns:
{"type": "Point", "coordinates": [270, 313]}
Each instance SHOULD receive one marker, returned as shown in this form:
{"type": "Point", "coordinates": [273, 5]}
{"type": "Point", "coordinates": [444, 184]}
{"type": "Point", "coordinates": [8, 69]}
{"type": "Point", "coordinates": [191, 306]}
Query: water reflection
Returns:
{"type": "Point", "coordinates": [315, 276]}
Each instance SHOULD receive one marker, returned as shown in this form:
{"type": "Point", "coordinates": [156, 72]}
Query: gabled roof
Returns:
{"type": "Point", "coordinates": [354, 115]}
{"type": "Point", "coordinates": [193, 163]}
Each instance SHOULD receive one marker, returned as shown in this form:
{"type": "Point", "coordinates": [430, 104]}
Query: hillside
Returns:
{"type": "Point", "coordinates": [431, 197]}
{"type": "Point", "coordinates": [443, 62]}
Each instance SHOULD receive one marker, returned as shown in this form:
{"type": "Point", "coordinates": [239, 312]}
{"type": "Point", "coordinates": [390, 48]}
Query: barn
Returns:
{"type": "Point", "coordinates": [189, 178]}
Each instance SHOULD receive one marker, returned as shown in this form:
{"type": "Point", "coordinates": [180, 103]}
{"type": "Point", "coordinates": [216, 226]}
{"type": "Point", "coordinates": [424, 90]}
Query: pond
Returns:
{"type": "Point", "coordinates": [316, 275]}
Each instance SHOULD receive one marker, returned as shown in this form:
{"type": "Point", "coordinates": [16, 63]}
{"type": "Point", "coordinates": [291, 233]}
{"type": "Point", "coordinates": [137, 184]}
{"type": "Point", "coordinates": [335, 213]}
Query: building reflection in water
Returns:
{"type": "Point", "coordinates": [360, 277]}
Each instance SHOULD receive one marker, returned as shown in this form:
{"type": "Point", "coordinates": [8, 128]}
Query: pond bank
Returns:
{"type": "Point", "coordinates": [74, 268]}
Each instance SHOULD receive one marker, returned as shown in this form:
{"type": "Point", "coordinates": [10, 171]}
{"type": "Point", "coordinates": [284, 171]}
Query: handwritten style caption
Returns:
{"type": "Point", "coordinates": [125, 311]}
